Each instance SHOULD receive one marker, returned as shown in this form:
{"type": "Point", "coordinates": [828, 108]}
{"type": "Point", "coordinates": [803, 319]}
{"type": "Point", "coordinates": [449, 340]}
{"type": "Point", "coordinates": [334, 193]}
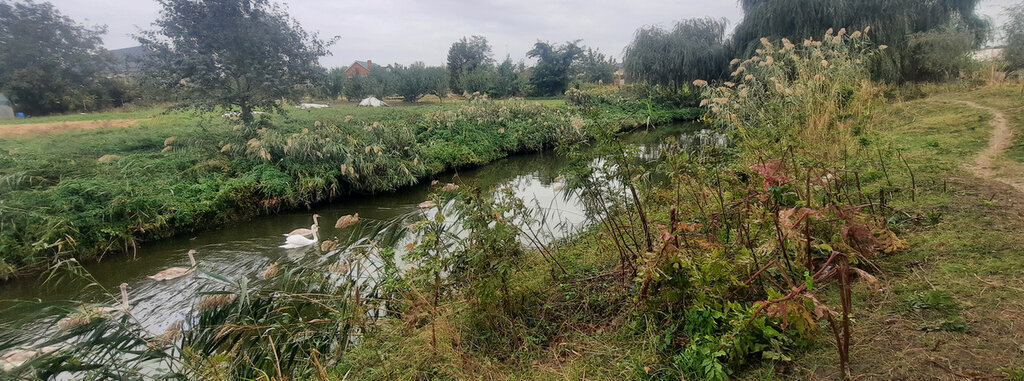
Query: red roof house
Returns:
{"type": "Point", "coordinates": [359, 68]}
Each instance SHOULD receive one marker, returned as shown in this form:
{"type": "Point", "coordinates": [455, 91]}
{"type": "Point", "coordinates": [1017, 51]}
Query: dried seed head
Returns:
{"type": "Point", "coordinates": [338, 268]}
{"type": "Point", "coordinates": [169, 140]}
{"type": "Point", "coordinates": [427, 204]}
{"type": "Point", "coordinates": [109, 158]}
{"type": "Point", "coordinates": [213, 302]}
{"type": "Point", "coordinates": [700, 83]}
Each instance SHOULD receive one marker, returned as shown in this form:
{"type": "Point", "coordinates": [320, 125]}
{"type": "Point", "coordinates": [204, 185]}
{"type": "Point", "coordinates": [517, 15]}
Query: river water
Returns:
{"type": "Point", "coordinates": [246, 248]}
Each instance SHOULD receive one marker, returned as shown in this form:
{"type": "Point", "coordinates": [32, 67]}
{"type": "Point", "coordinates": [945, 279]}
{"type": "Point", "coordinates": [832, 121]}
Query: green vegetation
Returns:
{"type": "Point", "coordinates": [892, 23]}
{"type": "Point", "coordinates": [694, 49]}
{"type": "Point", "coordinates": [106, 189]}
{"type": "Point", "coordinates": [48, 63]}
{"type": "Point", "coordinates": [1013, 31]}
{"type": "Point", "coordinates": [223, 53]}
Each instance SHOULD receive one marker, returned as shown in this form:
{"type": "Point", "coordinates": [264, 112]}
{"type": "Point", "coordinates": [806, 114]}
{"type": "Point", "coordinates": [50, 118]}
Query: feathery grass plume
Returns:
{"type": "Point", "coordinates": [214, 302]}
{"type": "Point", "coordinates": [108, 158]}
{"type": "Point", "coordinates": [169, 140]}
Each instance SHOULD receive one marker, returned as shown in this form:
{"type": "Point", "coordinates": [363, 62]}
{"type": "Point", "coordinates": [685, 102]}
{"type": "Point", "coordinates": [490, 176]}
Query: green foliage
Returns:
{"type": "Point", "coordinates": [49, 64]}
{"type": "Point", "coordinates": [466, 56]}
{"type": "Point", "coordinates": [248, 53]}
{"type": "Point", "coordinates": [693, 49]}
{"type": "Point", "coordinates": [554, 66]}
{"type": "Point", "coordinates": [508, 80]}
{"type": "Point", "coordinates": [891, 22]}
{"type": "Point", "coordinates": [941, 53]}
{"type": "Point", "coordinates": [1013, 31]}
{"type": "Point", "coordinates": [68, 203]}
{"type": "Point", "coordinates": [594, 67]}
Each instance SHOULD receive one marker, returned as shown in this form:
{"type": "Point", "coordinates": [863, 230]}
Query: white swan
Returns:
{"type": "Point", "coordinates": [296, 240]}
{"type": "Point", "coordinates": [303, 231]}
{"type": "Point", "coordinates": [175, 272]}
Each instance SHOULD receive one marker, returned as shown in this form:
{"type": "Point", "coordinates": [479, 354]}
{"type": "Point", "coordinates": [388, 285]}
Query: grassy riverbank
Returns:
{"type": "Point", "coordinates": [944, 308]}
{"type": "Point", "coordinates": [89, 193]}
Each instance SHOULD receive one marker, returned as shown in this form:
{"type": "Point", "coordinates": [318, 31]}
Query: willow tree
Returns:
{"type": "Point", "coordinates": [245, 53]}
{"type": "Point", "coordinates": [891, 22]}
{"type": "Point", "coordinates": [1014, 33]}
{"type": "Point", "coordinates": [693, 49]}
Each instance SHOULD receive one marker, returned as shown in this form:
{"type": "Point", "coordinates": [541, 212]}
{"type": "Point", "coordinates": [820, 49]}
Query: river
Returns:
{"type": "Point", "coordinates": [245, 249]}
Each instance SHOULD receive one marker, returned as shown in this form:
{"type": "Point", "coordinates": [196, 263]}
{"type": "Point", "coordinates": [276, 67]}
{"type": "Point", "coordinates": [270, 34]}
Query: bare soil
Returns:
{"type": "Point", "coordinates": [987, 164]}
{"type": "Point", "coordinates": [34, 129]}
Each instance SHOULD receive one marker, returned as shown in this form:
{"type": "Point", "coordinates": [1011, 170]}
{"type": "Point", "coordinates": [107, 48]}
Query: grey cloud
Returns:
{"type": "Point", "coordinates": [404, 31]}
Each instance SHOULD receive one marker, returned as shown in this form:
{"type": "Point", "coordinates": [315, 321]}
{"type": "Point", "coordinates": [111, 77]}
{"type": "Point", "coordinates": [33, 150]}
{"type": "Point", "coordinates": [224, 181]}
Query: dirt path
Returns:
{"type": "Point", "coordinates": [984, 164]}
{"type": "Point", "coordinates": [22, 130]}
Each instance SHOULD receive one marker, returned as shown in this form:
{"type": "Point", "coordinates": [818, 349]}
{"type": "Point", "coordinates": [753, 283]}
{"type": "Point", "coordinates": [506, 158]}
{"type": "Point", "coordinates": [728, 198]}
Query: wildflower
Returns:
{"type": "Point", "coordinates": [700, 83]}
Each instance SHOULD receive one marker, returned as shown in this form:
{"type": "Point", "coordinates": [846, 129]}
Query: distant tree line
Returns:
{"type": "Point", "coordinates": [926, 40]}
{"type": "Point", "coordinates": [251, 54]}
{"type": "Point", "coordinates": [471, 68]}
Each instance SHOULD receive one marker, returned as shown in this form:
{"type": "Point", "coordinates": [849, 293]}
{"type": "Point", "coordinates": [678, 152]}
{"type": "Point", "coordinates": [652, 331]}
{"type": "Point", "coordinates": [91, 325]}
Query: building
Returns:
{"type": "Point", "coordinates": [360, 68]}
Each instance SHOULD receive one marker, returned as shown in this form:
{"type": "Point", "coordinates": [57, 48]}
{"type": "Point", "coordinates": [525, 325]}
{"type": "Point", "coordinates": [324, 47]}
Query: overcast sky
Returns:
{"type": "Point", "coordinates": [404, 31]}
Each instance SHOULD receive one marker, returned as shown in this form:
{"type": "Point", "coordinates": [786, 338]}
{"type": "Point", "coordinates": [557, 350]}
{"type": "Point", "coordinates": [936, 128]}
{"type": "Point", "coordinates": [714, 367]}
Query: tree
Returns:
{"type": "Point", "coordinates": [413, 81]}
{"type": "Point", "coordinates": [1013, 31]}
{"type": "Point", "coordinates": [693, 49]}
{"type": "Point", "coordinates": [438, 79]}
{"type": "Point", "coordinates": [507, 80]}
{"type": "Point", "coordinates": [334, 82]}
{"type": "Point", "coordinates": [891, 22]}
{"type": "Point", "coordinates": [466, 56]}
{"type": "Point", "coordinates": [594, 67]}
{"type": "Point", "coordinates": [49, 63]}
{"type": "Point", "coordinates": [941, 53]}
{"type": "Point", "coordinates": [245, 53]}
{"type": "Point", "coordinates": [554, 62]}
